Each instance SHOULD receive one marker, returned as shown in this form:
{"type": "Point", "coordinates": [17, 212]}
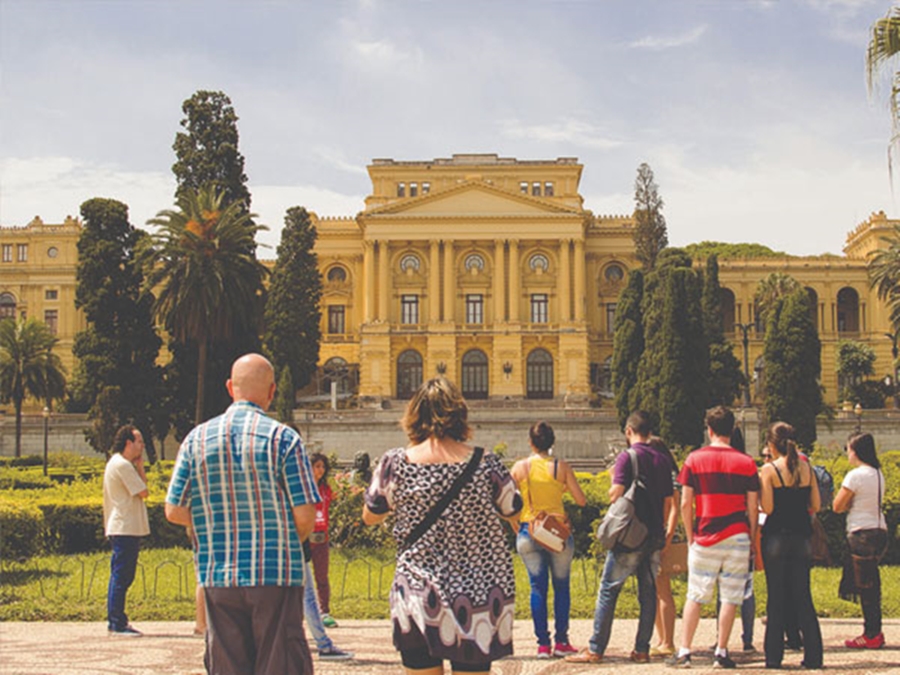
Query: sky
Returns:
{"type": "Point", "coordinates": [753, 114]}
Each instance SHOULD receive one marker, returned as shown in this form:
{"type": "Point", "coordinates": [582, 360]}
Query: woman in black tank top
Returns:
{"type": "Point", "coordinates": [788, 496]}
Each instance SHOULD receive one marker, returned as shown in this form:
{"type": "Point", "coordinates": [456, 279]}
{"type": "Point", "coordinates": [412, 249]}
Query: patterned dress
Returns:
{"type": "Point", "coordinates": [455, 585]}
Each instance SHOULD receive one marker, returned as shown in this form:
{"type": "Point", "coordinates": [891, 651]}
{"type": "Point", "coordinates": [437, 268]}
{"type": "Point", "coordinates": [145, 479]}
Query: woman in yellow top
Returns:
{"type": "Point", "coordinates": [542, 480]}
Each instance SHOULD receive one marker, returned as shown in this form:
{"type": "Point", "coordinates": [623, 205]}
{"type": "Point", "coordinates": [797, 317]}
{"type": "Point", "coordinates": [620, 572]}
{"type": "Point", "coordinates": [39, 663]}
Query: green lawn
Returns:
{"type": "Point", "coordinates": [73, 588]}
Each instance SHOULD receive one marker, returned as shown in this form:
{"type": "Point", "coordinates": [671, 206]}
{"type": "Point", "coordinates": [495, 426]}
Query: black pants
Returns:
{"type": "Point", "coordinates": [788, 558]}
{"type": "Point", "coordinates": [256, 630]}
{"type": "Point", "coordinates": [869, 543]}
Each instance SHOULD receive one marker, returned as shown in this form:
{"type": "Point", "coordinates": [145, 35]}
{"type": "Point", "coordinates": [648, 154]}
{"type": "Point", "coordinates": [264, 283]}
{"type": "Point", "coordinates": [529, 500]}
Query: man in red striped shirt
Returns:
{"type": "Point", "coordinates": [724, 484]}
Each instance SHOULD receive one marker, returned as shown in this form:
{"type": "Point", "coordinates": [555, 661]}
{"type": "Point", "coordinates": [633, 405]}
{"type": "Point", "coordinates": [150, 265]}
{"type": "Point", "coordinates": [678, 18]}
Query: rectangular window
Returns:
{"type": "Point", "coordinates": [401, 189]}
{"type": "Point", "coordinates": [523, 187]}
{"type": "Point", "coordinates": [51, 294]}
{"type": "Point", "coordinates": [475, 308]}
{"type": "Point", "coordinates": [409, 309]}
{"type": "Point", "coordinates": [539, 313]}
{"type": "Point", "coordinates": [7, 252]}
{"type": "Point", "coordinates": [610, 318]}
{"type": "Point", "coordinates": [51, 318]}
{"type": "Point", "coordinates": [426, 188]}
{"type": "Point", "coordinates": [548, 189]}
{"type": "Point", "coordinates": [336, 319]}
{"type": "Point", "coordinates": [22, 252]}
{"type": "Point", "coordinates": [536, 189]}
{"type": "Point", "coordinates": [413, 189]}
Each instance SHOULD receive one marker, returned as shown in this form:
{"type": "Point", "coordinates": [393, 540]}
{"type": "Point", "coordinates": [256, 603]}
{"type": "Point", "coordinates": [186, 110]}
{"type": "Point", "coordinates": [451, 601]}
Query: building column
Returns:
{"type": "Point", "coordinates": [499, 290]}
{"type": "Point", "coordinates": [578, 270]}
{"type": "Point", "coordinates": [562, 281]}
{"type": "Point", "coordinates": [368, 281]}
{"type": "Point", "coordinates": [434, 281]}
{"type": "Point", "coordinates": [514, 290]}
{"type": "Point", "coordinates": [449, 283]}
{"type": "Point", "coordinates": [383, 281]}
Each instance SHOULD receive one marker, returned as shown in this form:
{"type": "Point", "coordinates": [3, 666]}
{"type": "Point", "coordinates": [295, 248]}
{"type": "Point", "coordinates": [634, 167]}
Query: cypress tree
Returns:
{"type": "Point", "coordinates": [628, 345]}
{"type": "Point", "coordinates": [284, 397]}
{"type": "Point", "coordinates": [292, 310]}
{"type": "Point", "coordinates": [725, 376]}
{"type": "Point", "coordinates": [650, 236]}
{"type": "Point", "coordinates": [792, 354]}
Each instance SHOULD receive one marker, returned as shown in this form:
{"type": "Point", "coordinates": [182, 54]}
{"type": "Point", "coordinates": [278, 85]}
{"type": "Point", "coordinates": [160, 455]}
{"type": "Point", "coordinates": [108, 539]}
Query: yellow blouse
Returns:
{"type": "Point", "coordinates": [541, 492]}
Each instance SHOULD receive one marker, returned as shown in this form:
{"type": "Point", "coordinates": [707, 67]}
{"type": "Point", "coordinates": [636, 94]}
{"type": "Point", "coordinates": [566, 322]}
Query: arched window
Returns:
{"type": "Point", "coordinates": [7, 306]}
{"type": "Point", "coordinates": [474, 261]}
{"type": "Point", "coordinates": [336, 370]}
{"type": "Point", "coordinates": [410, 262]}
{"type": "Point", "coordinates": [814, 305]}
{"type": "Point", "coordinates": [475, 374]}
{"type": "Point", "coordinates": [847, 310]}
{"type": "Point", "coordinates": [726, 306]}
{"type": "Point", "coordinates": [337, 274]}
{"type": "Point", "coordinates": [539, 374]}
{"type": "Point", "coordinates": [409, 373]}
{"type": "Point", "coordinates": [539, 262]}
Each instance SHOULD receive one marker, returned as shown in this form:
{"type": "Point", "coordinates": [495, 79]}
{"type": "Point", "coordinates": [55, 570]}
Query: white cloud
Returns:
{"type": "Point", "coordinates": [335, 157]}
{"type": "Point", "coordinates": [658, 42]}
{"type": "Point", "coordinates": [565, 131]}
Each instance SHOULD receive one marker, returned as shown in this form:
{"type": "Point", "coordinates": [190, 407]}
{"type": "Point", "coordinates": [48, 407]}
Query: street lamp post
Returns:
{"type": "Point", "coordinates": [894, 337]}
{"type": "Point", "coordinates": [858, 410]}
{"type": "Point", "coordinates": [745, 336]}
{"type": "Point", "coordinates": [46, 414]}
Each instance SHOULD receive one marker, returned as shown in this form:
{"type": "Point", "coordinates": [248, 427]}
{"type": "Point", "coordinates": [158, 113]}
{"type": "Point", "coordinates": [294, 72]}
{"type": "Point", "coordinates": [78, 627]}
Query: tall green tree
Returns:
{"type": "Point", "coordinates": [207, 278]}
{"type": "Point", "coordinates": [650, 236]}
{"type": "Point", "coordinates": [292, 307]}
{"type": "Point", "coordinates": [674, 367]}
{"type": "Point", "coordinates": [792, 353]}
{"type": "Point", "coordinates": [884, 273]}
{"type": "Point", "coordinates": [28, 367]}
{"type": "Point", "coordinates": [119, 347]}
{"type": "Point", "coordinates": [725, 376]}
{"type": "Point", "coordinates": [285, 394]}
{"type": "Point", "coordinates": [628, 345]}
{"type": "Point", "coordinates": [770, 289]}
{"type": "Point", "coordinates": [207, 152]}
{"type": "Point", "coordinates": [884, 45]}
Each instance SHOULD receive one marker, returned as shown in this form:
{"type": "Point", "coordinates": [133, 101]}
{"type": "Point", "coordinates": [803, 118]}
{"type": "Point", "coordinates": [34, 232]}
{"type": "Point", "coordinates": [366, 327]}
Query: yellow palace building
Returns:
{"type": "Point", "coordinates": [488, 270]}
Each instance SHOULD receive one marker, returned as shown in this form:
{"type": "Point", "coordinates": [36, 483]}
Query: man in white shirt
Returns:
{"type": "Point", "coordinates": [124, 522]}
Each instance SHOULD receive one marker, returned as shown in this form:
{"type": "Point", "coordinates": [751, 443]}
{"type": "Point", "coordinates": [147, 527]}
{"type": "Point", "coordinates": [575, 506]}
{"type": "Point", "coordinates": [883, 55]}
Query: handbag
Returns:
{"type": "Point", "coordinates": [674, 558]}
{"type": "Point", "coordinates": [621, 526]}
{"type": "Point", "coordinates": [436, 511]}
{"type": "Point", "coordinates": [547, 530]}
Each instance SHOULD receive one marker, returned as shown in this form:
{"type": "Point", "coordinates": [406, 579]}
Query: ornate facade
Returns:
{"type": "Point", "coordinates": [489, 270]}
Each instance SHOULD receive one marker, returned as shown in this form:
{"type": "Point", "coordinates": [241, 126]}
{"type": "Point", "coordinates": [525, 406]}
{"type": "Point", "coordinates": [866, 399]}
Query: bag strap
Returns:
{"type": "Point", "coordinates": [445, 500]}
{"type": "Point", "coordinates": [635, 469]}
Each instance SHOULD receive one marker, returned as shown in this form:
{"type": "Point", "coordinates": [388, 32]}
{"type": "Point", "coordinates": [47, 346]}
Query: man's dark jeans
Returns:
{"type": "Point", "coordinates": [121, 573]}
{"type": "Point", "coordinates": [868, 543]}
{"type": "Point", "coordinates": [643, 563]}
{"type": "Point", "coordinates": [787, 559]}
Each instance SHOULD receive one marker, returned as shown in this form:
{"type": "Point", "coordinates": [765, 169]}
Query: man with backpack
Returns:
{"type": "Point", "coordinates": [653, 503]}
{"type": "Point", "coordinates": [725, 485]}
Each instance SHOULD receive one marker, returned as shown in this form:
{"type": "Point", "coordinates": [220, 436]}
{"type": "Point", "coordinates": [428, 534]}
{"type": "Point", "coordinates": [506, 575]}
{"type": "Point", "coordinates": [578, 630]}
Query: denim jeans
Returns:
{"type": "Point", "coordinates": [869, 543]}
{"type": "Point", "coordinates": [644, 563]}
{"type": "Point", "coordinates": [122, 567]}
{"type": "Point", "coordinates": [311, 611]}
{"type": "Point", "coordinates": [542, 565]}
{"type": "Point", "coordinates": [787, 560]}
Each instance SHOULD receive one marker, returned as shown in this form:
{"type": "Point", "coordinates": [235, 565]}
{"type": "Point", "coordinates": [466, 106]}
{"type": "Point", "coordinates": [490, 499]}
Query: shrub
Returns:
{"type": "Point", "coordinates": [21, 527]}
{"type": "Point", "coordinates": [27, 460]}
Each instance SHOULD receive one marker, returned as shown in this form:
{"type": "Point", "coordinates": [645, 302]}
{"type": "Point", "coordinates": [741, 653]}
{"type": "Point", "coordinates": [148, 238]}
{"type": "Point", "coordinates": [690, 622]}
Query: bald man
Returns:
{"type": "Point", "coordinates": [244, 484]}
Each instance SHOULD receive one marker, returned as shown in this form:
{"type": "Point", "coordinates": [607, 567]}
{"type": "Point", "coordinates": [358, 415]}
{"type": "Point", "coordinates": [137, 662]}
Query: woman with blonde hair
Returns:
{"type": "Point", "coordinates": [453, 595]}
{"type": "Point", "coordinates": [861, 497]}
{"type": "Point", "coordinates": [789, 493]}
{"type": "Point", "coordinates": [543, 480]}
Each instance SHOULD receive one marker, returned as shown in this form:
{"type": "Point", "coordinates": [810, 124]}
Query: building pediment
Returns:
{"type": "Point", "coordinates": [472, 199]}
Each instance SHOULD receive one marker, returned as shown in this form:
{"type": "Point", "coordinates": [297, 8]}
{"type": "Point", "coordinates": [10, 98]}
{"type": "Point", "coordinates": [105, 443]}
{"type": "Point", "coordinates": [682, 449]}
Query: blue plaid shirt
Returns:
{"type": "Point", "coordinates": [241, 473]}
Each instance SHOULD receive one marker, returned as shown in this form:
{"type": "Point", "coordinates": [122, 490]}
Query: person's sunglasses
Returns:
{"type": "Point", "coordinates": [767, 455]}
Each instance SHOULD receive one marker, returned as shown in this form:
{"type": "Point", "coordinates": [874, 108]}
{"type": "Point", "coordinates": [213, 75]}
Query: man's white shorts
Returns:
{"type": "Point", "coordinates": [726, 562]}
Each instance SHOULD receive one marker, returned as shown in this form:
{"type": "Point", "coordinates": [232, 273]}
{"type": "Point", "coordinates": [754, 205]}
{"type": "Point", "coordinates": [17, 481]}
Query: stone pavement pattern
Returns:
{"type": "Point", "coordinates": [168, 648]}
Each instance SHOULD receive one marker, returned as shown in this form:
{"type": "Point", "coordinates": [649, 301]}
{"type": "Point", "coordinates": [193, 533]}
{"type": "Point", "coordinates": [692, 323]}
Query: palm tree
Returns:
{"type": "Point", "coordinates": [774, 286]}
{"type": "Point", "coordinates": [884, 274]}
{"type": "Point", "coordinates": [28, 366]}
{"type": "Point", "coordinates": [884, 44]}
{"type": "Point", "coordinates": [201, 264]}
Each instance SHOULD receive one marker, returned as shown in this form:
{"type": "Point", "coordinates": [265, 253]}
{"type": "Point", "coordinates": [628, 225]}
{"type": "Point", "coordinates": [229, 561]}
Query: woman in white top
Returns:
{"type": "Point", "coordinates": [860, 496]}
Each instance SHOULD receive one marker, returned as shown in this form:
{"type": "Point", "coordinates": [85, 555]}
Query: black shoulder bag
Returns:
{"type": "Point", "coordinates": [448, 497]}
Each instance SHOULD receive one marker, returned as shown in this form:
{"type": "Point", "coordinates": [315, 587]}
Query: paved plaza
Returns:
{"type": "Point", "coordinates": [168, 648]}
